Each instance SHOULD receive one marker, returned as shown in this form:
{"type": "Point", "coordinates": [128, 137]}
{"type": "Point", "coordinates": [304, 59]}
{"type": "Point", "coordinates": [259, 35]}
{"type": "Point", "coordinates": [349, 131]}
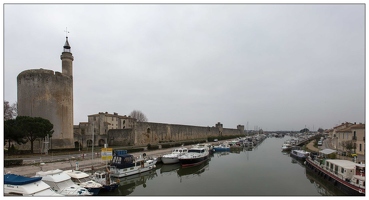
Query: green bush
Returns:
{"type": "Point", "coordinates": [135, 150]}
{"type": "Point", "coordinates": [332, 156]}
{"type": "Point", "coordinates": [152, 147]}
{"type": "Point", "coordinates": [165, 146]}
{"type": "Point", "coordinates": [8, 163]}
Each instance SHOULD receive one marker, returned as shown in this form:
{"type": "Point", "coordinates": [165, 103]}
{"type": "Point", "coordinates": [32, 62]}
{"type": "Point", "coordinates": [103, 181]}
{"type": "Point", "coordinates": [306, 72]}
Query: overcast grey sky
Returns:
{"type": "Point", "coordinates": [275, 66]}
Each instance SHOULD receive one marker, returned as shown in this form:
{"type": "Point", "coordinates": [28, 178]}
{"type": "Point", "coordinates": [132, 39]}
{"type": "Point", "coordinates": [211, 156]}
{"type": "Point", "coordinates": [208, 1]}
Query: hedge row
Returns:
{"type": "Point", "coordinates": [9, 163]}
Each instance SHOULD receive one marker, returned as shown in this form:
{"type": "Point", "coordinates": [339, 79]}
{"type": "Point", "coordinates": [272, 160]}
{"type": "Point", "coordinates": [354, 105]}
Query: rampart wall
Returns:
{"type": "Point", "coordinates": [153, 133]}
{"type": "Point", "coordinates": [120, 137]}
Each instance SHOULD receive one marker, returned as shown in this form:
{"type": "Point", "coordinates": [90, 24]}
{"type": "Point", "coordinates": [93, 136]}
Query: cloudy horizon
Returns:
{"type": "Point", "coordinates": [275, 67]}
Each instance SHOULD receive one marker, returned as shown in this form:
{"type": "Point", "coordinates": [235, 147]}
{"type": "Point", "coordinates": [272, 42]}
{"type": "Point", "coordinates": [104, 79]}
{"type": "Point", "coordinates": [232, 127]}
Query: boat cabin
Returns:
{"type": "Point", "coordinates": [344, 169]}
{"type": "Point", "coordinates": [180, 151]}
{"type": "Point", "coordinates": [123, 161]}
{"type": "Point", "coordinates": [196, 150]}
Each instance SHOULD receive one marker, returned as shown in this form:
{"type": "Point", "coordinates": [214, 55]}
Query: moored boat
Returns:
{"type": "Point", "coordinates": [222, 147]}
{"type": "Point", "coordinates": [17, 185]}
{"type": "Point", "coordinates": [346, 175]}
{"type": "Point", "coordinates": [286, 146]}
{"type": "Point", "coordinates": [62, 183]}
{"type": "Point", "coordinates": [123, 164]}
{"type": "Point", "coordinates": [195, 156]}
{"type": "Point", "coordinates": [299, 154]}
{"type": "Point", "coordinates": [105, 180]}
{"type": "Point", "coordinates": [172, 157]}
{"type": "Point", "coordinates": [83, 179]}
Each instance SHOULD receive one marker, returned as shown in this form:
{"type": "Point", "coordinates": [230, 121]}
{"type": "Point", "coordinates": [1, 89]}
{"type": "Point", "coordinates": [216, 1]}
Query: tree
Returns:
{"type": "Point", "coordinates": [34, 127]}
{"type": "Point", "coordinates": [305, 130]}
{"type": "Point", "coordinates": [13, 133]}
{"type": "Point", "coordinates": [349, 145]}
{"type": "Point", "coordinates": [320, 130]}
{"type": "Point", "coordinates": [10, 112]}
{"type": "Point", "coordinates": [139, 116]}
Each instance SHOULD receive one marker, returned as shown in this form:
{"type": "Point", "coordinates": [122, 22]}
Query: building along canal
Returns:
{"type": "Point", "coordinates": [263, 171]}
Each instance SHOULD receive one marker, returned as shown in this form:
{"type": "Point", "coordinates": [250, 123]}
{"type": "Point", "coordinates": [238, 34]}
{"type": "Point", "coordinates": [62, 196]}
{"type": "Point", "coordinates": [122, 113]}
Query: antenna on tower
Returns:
{"type": "Point", "coordinates": [66, 31]}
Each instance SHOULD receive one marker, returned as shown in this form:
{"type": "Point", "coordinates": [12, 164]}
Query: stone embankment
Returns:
{"type": "Point", "coordinates": [84, 165]}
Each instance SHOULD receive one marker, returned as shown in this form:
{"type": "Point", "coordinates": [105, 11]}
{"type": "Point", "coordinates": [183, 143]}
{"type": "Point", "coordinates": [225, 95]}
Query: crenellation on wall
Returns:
{"type": "Point", "coordinates": [154, 133]}
{"type": "Point", "coordinates": [144, 133]}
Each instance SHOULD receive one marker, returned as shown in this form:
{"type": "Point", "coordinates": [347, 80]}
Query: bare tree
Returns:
{"type": "Point", "coordinates": [138, 115]}
{"type": "Point", "coordinates": [10, 112]}
{"type": "Point", "coordinates": [349, 145]}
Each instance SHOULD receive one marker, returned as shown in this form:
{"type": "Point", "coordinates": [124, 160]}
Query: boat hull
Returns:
{"type": "Point", "coordinates": [343, 185]}
{"type": "Point", "coordinates": [119, 173]}
{"type": "Point", "coordinates": [169, 160]}
{"type": "Point", "coordinates": [94, 191]}
{"type": "Point", "coordinates": [187, 162]}
{"type": "Point", "coordinates": [109, 188]}
{"type": "Point", "coordinates": [216, 149]}
{"type": "Point", "coordinates": [26, 186]}
{"type": "Point", "coordinates": [298, 156]}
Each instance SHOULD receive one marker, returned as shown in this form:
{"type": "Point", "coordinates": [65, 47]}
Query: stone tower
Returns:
{"type": "Point", "coordinates": [48, 94]}
{"type": "Point", "coordinates": [67, 60]}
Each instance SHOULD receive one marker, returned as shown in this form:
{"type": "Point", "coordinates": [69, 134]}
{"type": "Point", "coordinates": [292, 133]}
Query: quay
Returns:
{"type": "Point", "coordinates": [86, 164]}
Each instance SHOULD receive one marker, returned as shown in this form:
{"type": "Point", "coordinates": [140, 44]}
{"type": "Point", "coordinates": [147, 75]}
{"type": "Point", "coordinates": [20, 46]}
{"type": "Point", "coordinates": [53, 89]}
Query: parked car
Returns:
{"type": "Point", "coordinates": [215, 140]}
{"type": "Point", "coordinates": [320, 143]}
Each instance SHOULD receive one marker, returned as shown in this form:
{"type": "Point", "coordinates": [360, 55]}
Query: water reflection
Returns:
{"type": "Point", "coordinates": [322, 186]}
{"type": "Point", "coordinates": [168, 169]}
{"type": "Point", "coordinates": [128, 184]}
{"type": "Point", "coordinates": [220, 154]}
{"type": "Point", "coordinates": [299, 162]}
{"type": "Point", "coordinates": [236, 150]}
{"type": "Point", "coordinates": [260, 173]}
{"type": "Point", "coordinates": [189, 172]}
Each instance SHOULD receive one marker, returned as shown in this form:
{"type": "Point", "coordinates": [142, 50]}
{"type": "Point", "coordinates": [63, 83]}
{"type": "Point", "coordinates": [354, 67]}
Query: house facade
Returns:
{"type": "Point", "coordinates": [354, 133]}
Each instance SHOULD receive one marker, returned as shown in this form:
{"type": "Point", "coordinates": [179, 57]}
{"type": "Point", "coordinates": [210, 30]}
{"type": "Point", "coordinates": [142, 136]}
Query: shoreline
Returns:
{"type": "Point", "coordinates": [85, 165]}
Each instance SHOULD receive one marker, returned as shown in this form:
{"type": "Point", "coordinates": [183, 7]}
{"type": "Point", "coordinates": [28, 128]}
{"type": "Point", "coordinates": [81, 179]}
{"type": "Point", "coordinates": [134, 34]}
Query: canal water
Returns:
{"type": "Point", "coordinates": [263, 171]}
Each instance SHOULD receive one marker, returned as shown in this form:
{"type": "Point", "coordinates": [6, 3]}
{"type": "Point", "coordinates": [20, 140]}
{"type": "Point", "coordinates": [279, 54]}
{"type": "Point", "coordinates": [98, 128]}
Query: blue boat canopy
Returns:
{"type": "Point", "coordinates": [14, 179]}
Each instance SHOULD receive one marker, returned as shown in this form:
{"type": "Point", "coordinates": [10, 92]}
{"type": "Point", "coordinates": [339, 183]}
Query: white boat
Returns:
{"type": "Point", "coordinates": [345, 175]}
{"type": "Point", "coordinates": [173, 156]}
{"type": "Point", "coordinates": [17, 185]}
{"type": "Point", "coordinates": [62, 183]}
{"type": "Point", "coordinates": [83, 179]}
{"type": "Point", "coordinates": [195, 156]}
{"type": "Point", "coordinates": [299, 154]}
{"type": "Point", "coordinates": [105, 180]}
{"type": "Point", "coordinates": [123, 165]}
{"type": "Point", "coordinates": [286, 146]}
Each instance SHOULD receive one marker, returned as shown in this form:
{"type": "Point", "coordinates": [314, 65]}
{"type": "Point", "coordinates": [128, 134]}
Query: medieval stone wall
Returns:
{"type": "Point", "coordinates": [120, 137]}
{"type": "Point", "coordinates": [144, 133]}
{"type": "Point", "coordinates": [153, 133]}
